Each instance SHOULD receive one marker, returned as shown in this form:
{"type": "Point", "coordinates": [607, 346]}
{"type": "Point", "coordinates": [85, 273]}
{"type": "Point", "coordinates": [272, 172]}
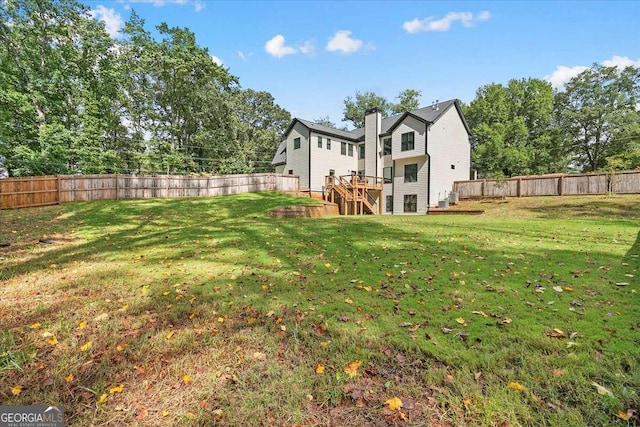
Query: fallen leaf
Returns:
{"type": "Point", "coordinates": [602, 390]}
{"type": "Point", "coordinates": [460, 320]}
{"type": "Point", "coordinates": [319, 369]}
{"type": "Point", "coordinates": [186, 379]}
{"type": "Point", "coordinates": [413, 328]}
{"type": "Point", "coordinates": [557, 288]}
{"type": "Point", "coordinates": [348, 300]}
{"type": "Point", "coordinates": [394, 403]}
{"type": "Point", "coordinates": [35, 325]}
{"type": "Point", "coordinates": [16, 390]}
{"type": "Point", "coordinates": [220, 319]}
{"type": "Point", "coordinates": [558, 372]}
{"type": "Point", "coordinates": [445, 330]}
{"type": "Point", "coordinates": [53, 340]}
{"type": "Point", "coordinates": [466, 401]}
{"type": "Point", "coordinates": [142, 413]}
{"type": "Point", "coordinates": [352, 368]}
{"type": "Point", "coordinates": [516, 386]}
{"type": "Point", "coordinates": [260, 356]}
{"type": "Point", "coordinates": [103, 399]}
{"type": "Point", "coordinates": [82, 324]}
{"type": "Point", "coordinates": [86, 347]}
{"type": "Point", "coordinates": [69, 378]}
{"type": "Point", "coordinates": [165, 413]}
{"type": "Point", "coordinates": [116, 389]}
{"type": "Point", "coordinates": [624, 415]}
{"type": "Point", "coordinates": [170, 334]}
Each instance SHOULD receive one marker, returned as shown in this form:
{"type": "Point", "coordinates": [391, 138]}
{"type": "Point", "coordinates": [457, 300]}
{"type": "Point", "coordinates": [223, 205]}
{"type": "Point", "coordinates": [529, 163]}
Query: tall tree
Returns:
{"type": "Point", "coordinates": [512, 129]}
{"type": "Point", "coordinates": [408, 100]}
{"type": "Point", "coordinates": [261, 127]}
{"type": "Point", "coordinates": [54, 94]}
{"type": "Point", "coordinates": [597, 114]}
{"type": "Point", "coordinates": [355, 107]}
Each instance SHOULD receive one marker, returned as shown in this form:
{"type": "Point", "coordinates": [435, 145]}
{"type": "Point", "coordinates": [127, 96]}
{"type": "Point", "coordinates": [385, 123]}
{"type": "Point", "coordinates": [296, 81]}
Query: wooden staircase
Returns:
{"type": "Point", "coordinates": [355, 195]}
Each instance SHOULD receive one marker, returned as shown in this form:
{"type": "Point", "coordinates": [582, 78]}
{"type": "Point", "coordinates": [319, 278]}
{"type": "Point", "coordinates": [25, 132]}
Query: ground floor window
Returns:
{"type": "Point", "coordinates": [411, 203]}
{"type": "Point", "coordinates": [389, 200]}
{"type": "Point", "coordinates": [411, 172]}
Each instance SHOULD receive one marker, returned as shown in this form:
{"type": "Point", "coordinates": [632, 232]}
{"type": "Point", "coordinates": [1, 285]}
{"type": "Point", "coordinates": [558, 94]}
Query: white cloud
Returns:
{"type": "Point", "coordinates": [621, 62]}
{"type": "Point", "coordinates": [244, 55]}
{"type": "Point", "coordinates": [562, 74]}
{"type": "Point", "coordinates": [342, 42]}
{"type": "Point", "coordinates": [198, 5]}
{"type": "Point", "coordinates": [113, 22]}
{"type": "Point", "coordinates": [308, 47]}
{"type": "Point", "coordinates": [275, 47]}
{"type": "Point", "coordinates": [217, 60]}
{"type": "Point", "coordinates": [444, 24]}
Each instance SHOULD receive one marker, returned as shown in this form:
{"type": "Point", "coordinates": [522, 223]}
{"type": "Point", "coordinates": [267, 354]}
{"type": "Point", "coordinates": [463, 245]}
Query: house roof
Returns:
{"type": "Point", "coordinates": [281, 154]}
{"type": "Point", "coordinates": [426, 114]}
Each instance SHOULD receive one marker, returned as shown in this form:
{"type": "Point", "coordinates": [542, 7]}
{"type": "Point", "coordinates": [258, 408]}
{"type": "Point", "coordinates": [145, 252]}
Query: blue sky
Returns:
{"type": "Point", "coordinates": [310, 55]}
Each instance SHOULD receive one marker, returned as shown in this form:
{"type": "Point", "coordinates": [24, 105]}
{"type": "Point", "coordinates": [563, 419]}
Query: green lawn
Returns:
{"type": "Point", "coordinates": [210, 312]}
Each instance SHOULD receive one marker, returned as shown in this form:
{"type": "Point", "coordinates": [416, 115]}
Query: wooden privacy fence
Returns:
{"type": "Point", "coordinates": [51, 190]}
{"type": "Point", "coordinates": [627, 182]}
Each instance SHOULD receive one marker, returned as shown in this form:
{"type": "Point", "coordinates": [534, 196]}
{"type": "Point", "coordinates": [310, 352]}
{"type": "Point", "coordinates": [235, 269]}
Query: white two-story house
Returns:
{"type": "Point", "coordinates": [415, 156]}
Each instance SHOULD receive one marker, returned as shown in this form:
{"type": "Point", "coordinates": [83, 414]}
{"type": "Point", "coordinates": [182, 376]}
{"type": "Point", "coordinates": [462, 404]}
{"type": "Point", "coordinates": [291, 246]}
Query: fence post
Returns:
{"type": "Point", "coordinates": [561, 185]}
{"type": "Point", "coordinates": [519, 187]}
{"type": "Point", "coordinates": [117, 189]}
{"type": "Point", "coordinates": [59, 189]}
{"type": "Point", "coordinates": [482, 187]}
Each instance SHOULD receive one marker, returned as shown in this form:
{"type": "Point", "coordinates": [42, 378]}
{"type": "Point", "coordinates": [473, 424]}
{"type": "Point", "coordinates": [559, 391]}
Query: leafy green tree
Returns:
{"type": "Point", "coordinates": [261, 126]}
{"type": "Point", "coordinates": [54, 75]}
{"type": "Point", "coordinates": [597, 114]}
{"type": "Point", "coordinates": [355, 107]}
{"type": "Point", "coordinates": [408, 100]}
{"type": "Point", "coordinates": [512, 129]}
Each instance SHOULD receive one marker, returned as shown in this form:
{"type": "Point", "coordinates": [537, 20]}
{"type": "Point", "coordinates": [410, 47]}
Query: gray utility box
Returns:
{"type": "Point", "coordinates": [443, 203]}
{"type": "Point", "coordinates": [454, 197]}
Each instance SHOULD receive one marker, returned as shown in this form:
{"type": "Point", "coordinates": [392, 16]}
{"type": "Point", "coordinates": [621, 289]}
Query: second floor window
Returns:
{"type": "Point", "coordinates": [361, 151]}
{"type": "Point", "coordinates": [351, 150]}
{"type": "Point", "coordinates": [328, 143]}
{"type": "Point", "coordinates": [407, 141]}
{"type": "Point", "coordinates": [296, 143]}
{"type": "Point", "coordinates": [343, 148]}
{"type": "Point", "coordinates": [386, 144]}
{"type": "Point", "coordinates": [319, 142]}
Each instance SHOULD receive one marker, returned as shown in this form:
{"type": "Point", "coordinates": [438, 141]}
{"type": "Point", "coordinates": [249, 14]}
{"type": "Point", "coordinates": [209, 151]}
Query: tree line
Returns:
{"type": "Point", "coordinates": [75, 100]}
{"type": "Point", "coordinates": [526, 127]}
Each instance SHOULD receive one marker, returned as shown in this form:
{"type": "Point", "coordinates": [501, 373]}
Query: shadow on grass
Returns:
{"type": "Point", "coordinates": [605, 208]}
{"type": "Point", "coordinates": [227, 250]}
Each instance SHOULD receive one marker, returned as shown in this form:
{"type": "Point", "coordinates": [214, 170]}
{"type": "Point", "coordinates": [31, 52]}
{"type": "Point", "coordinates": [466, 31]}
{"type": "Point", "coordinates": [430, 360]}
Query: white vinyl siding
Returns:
{"type": "Point", "coordinates": [401, 188]}
{"type": "Point", "coordinates": [409, 124]}
{"type": "Point", "coordinates": [323, 161]}
{"type": "Point", "coordinates": [298, 160]}
{"type": "Point", "coordinates": [448, 144]}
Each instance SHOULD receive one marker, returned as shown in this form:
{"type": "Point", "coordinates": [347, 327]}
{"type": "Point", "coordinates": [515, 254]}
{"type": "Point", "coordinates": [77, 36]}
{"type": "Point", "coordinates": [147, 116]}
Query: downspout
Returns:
{"type": "Point", "coordinates": [309, 142]}
{"type": "Point", "coordinates": [393, 186]}
{"type": "Point", "coordinates": [426, 151]}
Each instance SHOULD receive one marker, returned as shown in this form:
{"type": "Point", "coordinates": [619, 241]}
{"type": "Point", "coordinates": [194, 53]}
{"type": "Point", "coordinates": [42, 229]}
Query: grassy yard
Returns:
{"type": "Point", "coordinates": [210, 312]}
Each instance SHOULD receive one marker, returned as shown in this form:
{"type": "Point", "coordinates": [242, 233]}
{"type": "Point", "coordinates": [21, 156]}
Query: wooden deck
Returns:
{"type": "Point", "coordinates": [356, 195]}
